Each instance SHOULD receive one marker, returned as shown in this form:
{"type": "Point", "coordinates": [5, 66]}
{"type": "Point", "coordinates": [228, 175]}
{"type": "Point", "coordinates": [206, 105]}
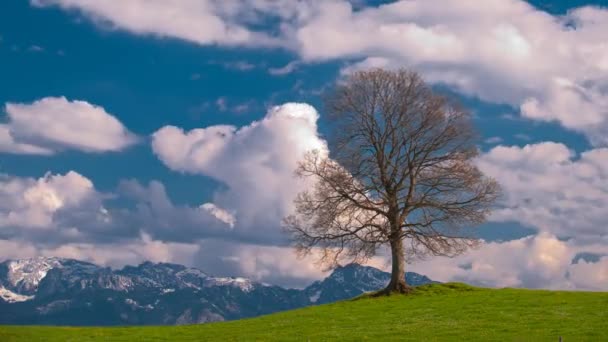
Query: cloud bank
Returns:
{"type": "Point", "coordinates": [551, 68]}
{"type": "Point", "coordinates": [508, 52]}
{"type": "Point", "coordinates": [547, 187]}
{"type": "Point", "coordinates": [65, 215]}
{"type": "Point", "coordinates": [539, 261]}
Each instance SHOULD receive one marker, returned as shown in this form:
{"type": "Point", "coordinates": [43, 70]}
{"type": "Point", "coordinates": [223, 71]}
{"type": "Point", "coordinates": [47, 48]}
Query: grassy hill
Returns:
{"type": "Point", "coordinates": [434, 312]}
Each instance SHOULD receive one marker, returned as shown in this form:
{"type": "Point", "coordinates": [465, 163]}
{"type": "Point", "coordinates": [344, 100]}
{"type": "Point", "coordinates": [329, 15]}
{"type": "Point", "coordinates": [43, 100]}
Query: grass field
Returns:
{"type": "Point", "coordinates": [434, 312]}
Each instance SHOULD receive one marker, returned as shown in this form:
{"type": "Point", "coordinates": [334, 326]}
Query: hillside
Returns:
{"type": "Point", "coordinates": [434, 312]}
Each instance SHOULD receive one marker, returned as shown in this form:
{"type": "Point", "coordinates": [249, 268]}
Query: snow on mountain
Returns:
{"type": "Point", "coordinates": [24, 275]}
{"type": "Point", "coordinates": [12, 297]}
{"type": "Point", "coordinates": [352, 280]}
{"type": "Point", "coordinates": [244, 284]}
{"type": "Point", "coordinates": [164, 275]}
{"type": "Point", "coordinates": [65, 291]}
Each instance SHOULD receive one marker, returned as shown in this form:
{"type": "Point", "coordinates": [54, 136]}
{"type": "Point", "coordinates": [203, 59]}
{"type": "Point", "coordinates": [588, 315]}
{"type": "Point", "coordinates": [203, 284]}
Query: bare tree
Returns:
{"type": "Point", "coordinates": [400, 174]}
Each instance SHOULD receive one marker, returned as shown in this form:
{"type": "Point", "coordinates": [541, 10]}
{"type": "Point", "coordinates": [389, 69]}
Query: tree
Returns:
{"type": "Point", "coordinates": [400, 174]}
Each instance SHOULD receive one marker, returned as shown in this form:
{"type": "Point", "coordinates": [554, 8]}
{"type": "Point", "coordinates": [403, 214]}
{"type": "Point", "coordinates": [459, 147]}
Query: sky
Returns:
{"type": "Point", "coordinates": [169, 130]}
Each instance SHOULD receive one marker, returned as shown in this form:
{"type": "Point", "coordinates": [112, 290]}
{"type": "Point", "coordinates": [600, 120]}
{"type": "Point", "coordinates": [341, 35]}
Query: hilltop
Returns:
{"type": "Point", "coordinates": [433, 312]}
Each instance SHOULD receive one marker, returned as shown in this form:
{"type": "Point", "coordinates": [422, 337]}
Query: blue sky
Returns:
{"type": "Point", "coordinates": [148, 74]}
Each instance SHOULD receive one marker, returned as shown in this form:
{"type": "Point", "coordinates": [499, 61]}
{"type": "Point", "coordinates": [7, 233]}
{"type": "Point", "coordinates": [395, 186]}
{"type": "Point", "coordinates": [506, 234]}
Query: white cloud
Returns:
{"type": "Point", "coordinates": [9, 145]}
{"type": "Point", "coordinates": [71, 211]}
{"type": "Point", "coordinates": [506, 51]}
{"type": "Point", "coordinates": [115, 254]}
{"type": "Point", "coordinates": [127, 253]}
{"type": "Point", "coordinates": [54, 124]}
{"type": "Point", "coordinates": [65, 216]}
{"type": "Point", "coordinates": [271, 264]}
{"type": "Point", "coordinates": [255, 162]}
{"type": "Point", "coordinates": [540, 261]}
{"type": "Point", "coordinates": [565, 197]}
{"type": "Point", "coordinates": [578, 107]}
{"type": "Point", "coordinates": [12, 249]}
{"type": "Point", "coordinates": [589, 275]}
{"type": "Point", "coordinates": [30, 203]}
{"type": "Point", "coordinates": [551, 68]}
{"type": "Point", "coordinates": [156, 215]}
{"type": "Point", "coordinates": [555, 68]}
{"type": "Point", "coordinates": [547, 187]}
{"type": "Point", "coordinates": [67, 209]}
{"type": "Point", "coordinates": [197, 21]}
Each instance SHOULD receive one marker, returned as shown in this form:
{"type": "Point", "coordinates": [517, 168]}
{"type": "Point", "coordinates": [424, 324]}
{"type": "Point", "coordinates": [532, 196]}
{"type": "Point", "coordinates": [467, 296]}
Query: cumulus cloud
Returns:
{"type": "Point", "coordinates": [56, 209]}
{"type": "Point", "coordinates": [581, 108]}
{"type": "Point", "coordinates": [31, 203]}
{"type": "Point", "coordinates": [540, 261]}
{"type": "Point", "coordinates": [53, 124]}
{"type": "Point", "coordinates": [554, 68]}
{"type": "Point", "coordinates": [564, 197]}
{"type": "Point", "coordinates": [536, 261]}
{"type": "Point", "coordinates": [256, 163]}
{"type": "Point", "coordinates": [64, 215]}
{"type": "Point", "coordinates": [155, 214]}
{"type": "Point", "coordinates": [549, 188]}
{"type": "Point", "coordinates": [590, 275]}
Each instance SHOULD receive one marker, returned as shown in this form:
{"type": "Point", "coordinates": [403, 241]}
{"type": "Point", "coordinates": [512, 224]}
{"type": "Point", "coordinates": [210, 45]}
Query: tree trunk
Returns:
{"type": "Point", "coordinates": [397, 283]}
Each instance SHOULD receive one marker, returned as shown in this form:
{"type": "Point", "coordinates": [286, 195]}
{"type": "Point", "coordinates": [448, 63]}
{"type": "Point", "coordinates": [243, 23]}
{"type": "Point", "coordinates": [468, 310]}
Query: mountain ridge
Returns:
{"type": "Point", "coordinates": [71, 292]}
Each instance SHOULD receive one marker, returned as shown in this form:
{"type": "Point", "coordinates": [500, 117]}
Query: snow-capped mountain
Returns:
{"type": "Point", "coordinates": [352, 280]}
{"type": "Point", "coordinates": [71, 292]}
{"type": "Point", "coordinates": [23, 276]}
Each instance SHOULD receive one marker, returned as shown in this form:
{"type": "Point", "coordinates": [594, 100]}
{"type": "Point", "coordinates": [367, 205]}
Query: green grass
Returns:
{"type": "Point", "coordinates": [440, 312]}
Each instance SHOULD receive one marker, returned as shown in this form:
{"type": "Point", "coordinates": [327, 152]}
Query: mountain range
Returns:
{"type": "Point", "coordinates": [58, 291]}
